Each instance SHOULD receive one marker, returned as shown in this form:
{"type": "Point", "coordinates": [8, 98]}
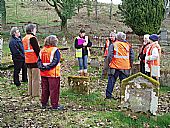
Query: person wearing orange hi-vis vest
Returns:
{"type": "Point", "coordinates": [109, 41]}
{"type": "Point", "coordinates": [49, 65]}
{"type": "Point", "coordinates": [32, 49]}
{"type": "Point", "coordinates": [120, 58]}
{"type": "Point", "coordinates": [82, 44]}
{"type": "Point", "coordinates": [153, 57]}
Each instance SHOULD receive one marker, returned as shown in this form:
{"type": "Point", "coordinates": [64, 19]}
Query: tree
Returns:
{"type": "Point", "coordinates": [89, 7]}
{"type": "Point", "coordinates": [3, 13]}
{"type": "Point", "coordinates": [96, 4]}
{"type": "Point", "coordinates": [143, 16]}
{"type": "Point", "coordinates": [111, 6]}
{"type": "Point", "coordinates": [65, 10]}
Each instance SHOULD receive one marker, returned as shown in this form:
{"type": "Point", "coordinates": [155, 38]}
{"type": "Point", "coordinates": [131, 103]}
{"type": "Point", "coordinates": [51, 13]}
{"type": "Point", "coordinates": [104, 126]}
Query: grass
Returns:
{"type": "Point", "coordinates": [19, 110]}
{"type": "Point", "coordinates": [82, 111]}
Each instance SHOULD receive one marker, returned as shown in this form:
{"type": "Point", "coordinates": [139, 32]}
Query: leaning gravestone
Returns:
{"type": "Point", "coordinates": [139, 93]}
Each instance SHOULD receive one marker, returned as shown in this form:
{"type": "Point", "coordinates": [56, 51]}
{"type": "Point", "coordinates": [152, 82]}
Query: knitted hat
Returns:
{"type": "Point", "coordinates": [154, 37]}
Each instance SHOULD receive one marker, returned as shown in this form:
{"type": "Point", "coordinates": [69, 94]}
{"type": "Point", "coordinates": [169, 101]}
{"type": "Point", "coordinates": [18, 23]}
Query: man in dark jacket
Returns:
{"type": "Point", "coordinates": [120, 58]}
{"type": "Point", "coordinates": [18, 57]}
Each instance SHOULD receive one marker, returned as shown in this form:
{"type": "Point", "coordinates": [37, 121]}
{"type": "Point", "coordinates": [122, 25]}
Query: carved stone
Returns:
{"type": "Point", "coordinates": [79, 84]}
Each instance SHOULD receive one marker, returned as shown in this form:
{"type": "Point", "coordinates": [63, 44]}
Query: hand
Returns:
{"type": "Point", "coordinates": [85, 43]}
{"type": "Point", "coordinates": [43, 68]}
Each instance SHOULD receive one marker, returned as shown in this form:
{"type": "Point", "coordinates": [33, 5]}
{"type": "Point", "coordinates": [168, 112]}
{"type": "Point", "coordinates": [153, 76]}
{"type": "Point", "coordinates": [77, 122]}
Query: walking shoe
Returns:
{"type": "Point", "coordinates": [111, 98]}
{"type": "Point", "coordinates": [59, 107]}
{"type": "Point", "coordinates": [18, 85]}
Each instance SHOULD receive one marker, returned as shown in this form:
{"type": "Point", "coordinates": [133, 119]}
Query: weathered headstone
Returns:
{"type": "Point", "coordinates": [79, 84]}
{"type": "Point", "coordinates": [140, 93]}
{"type": "Point", "coordinates": [164, 35]}
{"type": "Point", "coordinates": [94, 62]}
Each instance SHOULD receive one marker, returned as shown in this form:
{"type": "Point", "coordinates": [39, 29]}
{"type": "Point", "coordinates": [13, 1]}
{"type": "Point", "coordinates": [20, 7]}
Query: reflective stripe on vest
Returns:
{"type": "Point", "coordinates": [47, 55]}
{"type": "Point", "coordinates": [116, 48]}
{"type": "Point", "coordinates": [30, 55]}
{"type": "Point", "coordinates": [157, 61]}
{"type": "Point", "coordinates": [120, 59]}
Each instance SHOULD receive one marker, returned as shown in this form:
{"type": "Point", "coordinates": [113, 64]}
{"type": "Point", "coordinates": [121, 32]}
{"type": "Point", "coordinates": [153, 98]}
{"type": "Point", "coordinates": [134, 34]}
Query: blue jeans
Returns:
{"type": "Point", "coordinates": [83, 62]}
{"type": "Point", "coordinates": [112, 80]}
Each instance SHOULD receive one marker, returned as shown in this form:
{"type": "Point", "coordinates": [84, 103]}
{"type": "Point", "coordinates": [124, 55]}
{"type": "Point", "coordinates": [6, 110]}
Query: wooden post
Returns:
{"type": "Point", "coordinates": [1, 46]}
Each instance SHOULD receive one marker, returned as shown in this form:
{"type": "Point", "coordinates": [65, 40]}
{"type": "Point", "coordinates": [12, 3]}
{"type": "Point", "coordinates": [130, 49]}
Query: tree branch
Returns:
{"type": "Point", "coordinates": [53, 5]}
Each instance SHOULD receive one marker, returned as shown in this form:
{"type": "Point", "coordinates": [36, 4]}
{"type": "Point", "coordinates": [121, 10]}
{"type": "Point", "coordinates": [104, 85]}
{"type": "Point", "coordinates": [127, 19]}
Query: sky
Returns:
{"type": "Point", "coordinates": [108, 1]}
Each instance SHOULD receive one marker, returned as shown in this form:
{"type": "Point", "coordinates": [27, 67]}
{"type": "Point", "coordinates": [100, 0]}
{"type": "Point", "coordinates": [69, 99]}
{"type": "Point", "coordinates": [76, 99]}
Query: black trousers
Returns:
{"type": "Point", "coordinates": [18, 65]}
{"type": "Point", "coordinates": [142, 67]}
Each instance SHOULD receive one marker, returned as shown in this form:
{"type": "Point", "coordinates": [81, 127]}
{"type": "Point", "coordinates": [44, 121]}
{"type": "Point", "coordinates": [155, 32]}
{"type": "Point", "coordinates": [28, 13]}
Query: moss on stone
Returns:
{"type": "Point", "coordinates": [153, 81]}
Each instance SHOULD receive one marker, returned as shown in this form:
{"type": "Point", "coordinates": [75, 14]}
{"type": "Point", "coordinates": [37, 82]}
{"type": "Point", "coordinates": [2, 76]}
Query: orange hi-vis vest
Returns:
{"type": "Point", "coordinates": [157, 61]}
{"type": "Point", "coordinates": [30, 56]}
{"type": "Point", "coordinates": [107, 47]}
{"type": "Point", "coordinates": [121, 58]}
{"type": "Point", "coordinates": [46, 56]}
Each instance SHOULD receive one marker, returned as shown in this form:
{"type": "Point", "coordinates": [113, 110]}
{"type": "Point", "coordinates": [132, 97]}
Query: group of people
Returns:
{"type": "Point", "coordinates": [119, 57]}
{"type": "Point", "coordinates": [26, 55]}
{"type": "Point", "coordinates": [45, 62]}
{"type": "Point", "coordinates": [149, 56]}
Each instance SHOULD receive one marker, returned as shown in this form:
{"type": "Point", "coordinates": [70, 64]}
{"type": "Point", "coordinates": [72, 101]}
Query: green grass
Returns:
{"type": "Point", "coordinates": [164, 89]}
{"type": "Point", "coordinates": [82, 111]}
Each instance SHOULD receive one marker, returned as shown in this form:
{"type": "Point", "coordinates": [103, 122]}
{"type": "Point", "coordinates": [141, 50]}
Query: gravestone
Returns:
{"type": "Point", "coordinates": [79, 84]}
{"type": "Point", "coordinates": [139, 93]}
{"type": "Point", "coordinates": [164, 35]}
{"type": "Point", "coordinates": [94, 62]}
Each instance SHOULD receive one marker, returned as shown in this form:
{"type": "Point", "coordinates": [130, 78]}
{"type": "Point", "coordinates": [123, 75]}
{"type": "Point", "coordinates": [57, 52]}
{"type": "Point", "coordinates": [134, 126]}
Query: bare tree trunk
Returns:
{"type": "Point", "coordinates": [111, 9]}
{"type": "Point", "coordinates": [3, 13]}
{"type": "Point", "coordinates": [96, 9]}
{"type": "Point", "coordinates": [63, 24]}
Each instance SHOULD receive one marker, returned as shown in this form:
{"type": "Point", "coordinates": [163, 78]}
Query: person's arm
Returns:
{"type": "Point", "coordinates": [89, 43]}
{"type": "Point", "coordinates": [131, 56]}
{"type": "Point", "coordinates": [76, 44]}
{"type": "Point", "coordinates": [35, 45]}
{"type": "Point", "coordinates": [40, 65]}
{"type": "Point", "coordinates": [110, 53]}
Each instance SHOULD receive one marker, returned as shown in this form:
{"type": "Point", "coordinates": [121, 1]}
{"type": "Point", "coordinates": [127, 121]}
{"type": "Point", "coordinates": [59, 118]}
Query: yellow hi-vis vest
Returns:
{"type": "Point", "coordinates": [79, 51]}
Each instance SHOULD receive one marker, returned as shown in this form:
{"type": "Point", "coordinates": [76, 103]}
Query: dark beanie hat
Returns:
{"type": "Point", "coordinates": [154, 37]}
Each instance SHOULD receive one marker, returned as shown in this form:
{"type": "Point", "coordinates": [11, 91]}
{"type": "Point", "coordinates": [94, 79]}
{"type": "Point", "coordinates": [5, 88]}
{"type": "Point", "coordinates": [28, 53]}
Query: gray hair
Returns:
{"type": "Point", "coordinates": [112, 34]}
{"type": "Point", "coordinates": [13, 30]}
{"type": "Point", "coordinates": [121, 36]}
{"type": "Point", "coordinates": [51, 40]}
{"type": "Point", "coordinates": [30, 28]}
